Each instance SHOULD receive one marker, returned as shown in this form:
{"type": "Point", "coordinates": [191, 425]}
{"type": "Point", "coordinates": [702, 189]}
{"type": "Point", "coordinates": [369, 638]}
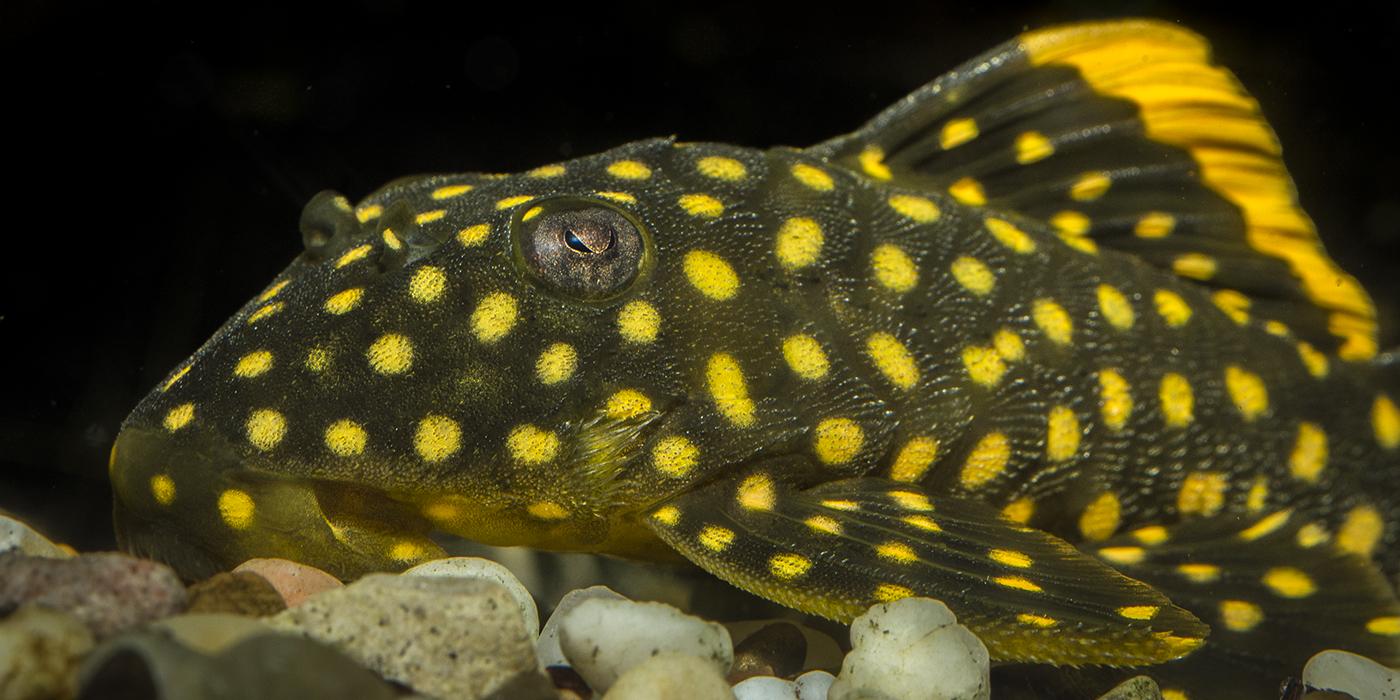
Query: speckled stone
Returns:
{"type": "Point", "coordinates": [774, 650]}
{"type": "Point", "coordinates": [294, 581]}
{"type": "Point", "coordinates": [1135, 688]}
{"type": "Point", "coordinates": [15, 536]}
{"type": "Point", "coordinates": [1352, 674]}
{"type": "Point", "coordinates": [39, 652]}
{"type": "Point", "coordinates": [236, 593]}
{"type": "Point", "coordinates": [448, 637]}
{"type": "Point", "coordinates": [107, 591]}
{"type": "Point", "coordinates": [604, 638]}
{"type": "Point", "coordinates": [912, 648]}
{"type": "Point", "coordinates": [670, 676]}
{"type": "Point", "coordinates": [823, 651]}
{"type": "Point", "coordinates": [476, 567]}
{"type": "Point", "coordinates": [210, 633]}
{"type": "Point", "coordinates": [547, 647]}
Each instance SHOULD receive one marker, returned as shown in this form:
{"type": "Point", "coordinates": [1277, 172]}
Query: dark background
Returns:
{"type": "Point", "coordinates": [158, 154]}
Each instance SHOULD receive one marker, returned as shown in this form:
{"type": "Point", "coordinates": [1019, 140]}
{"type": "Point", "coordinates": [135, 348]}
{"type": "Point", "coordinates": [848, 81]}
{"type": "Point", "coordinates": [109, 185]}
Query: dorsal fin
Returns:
{"type": "Point", "coordinates": [1125, 132]}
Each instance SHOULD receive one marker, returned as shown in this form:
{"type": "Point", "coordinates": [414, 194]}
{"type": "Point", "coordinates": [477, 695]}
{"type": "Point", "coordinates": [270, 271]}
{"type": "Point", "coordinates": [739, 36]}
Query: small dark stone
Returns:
{"type": "Point", "coordinates": [776, 650]}
{"type": "Point", "coordinates": [109, 592]}
{"type": "Point", "coordinates": [238, 593]}
{"type": "Point", "coordinates": [571, 685]}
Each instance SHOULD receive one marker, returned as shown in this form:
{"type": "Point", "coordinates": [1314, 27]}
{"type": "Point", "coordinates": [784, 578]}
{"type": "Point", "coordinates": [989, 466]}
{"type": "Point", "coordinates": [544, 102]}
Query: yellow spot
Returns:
{"type": "Point", "coordinates": [620, 197]}
{"type": "Point", "coordinates": [318, 359]}
{"type": "Point", "coordinates": [163, 489]}
{"type": "Point", "coordinates": [1126, 556]}
{"type": "Point", "coordinates": [266, 428]}
{"type": "Point", "coordinates": [701, 205]}
{"type": "Point", "coordinates": [1247, 392]}
{"type": "Point", "coordinates": [897, 552]}
{"type": "Point", "coordinates": [1154, 224]}
{"type": "Point", "coordinates": [917, 208]}
{"type": "Point", "coordinates": [721, 168]}
{"type": "Point", "coordinates": [345, 301]}
{"type": "Point", "coordinates": [1101, 518]}
{"type": "Point", "coordinates": [674, 455]}
{"type": "Point", "coordinates": [756, 493]}
{"type": "Point", "coordinates": [1309, 453]}
{"type": "Point", "coordinates": [391, 353]}
{"type": "Point", "coordinates": [957, 132]}
{"type": "Point", "coordinates": [1089, 186]}
{"type": "Point", "coordinates": [1040, 621]}
{"type": "Point", "coordinates": [1312, 535]}
{"type": "Point", "coordinates": [922, 522]}
{"type": "Point", "coordinates": [813, 177]}
{"type": "Point", "coordinates": [273, 290]}
{"type": "Point", "coordinates": [840, 504]}
{"type": "Point", "coordinates": [1388, 626]}
{"type": "Point", "coordinates": [345, 438]}
{"type": "Point", "coordinates": [984, 365]}
{"type": "Point", "coordinates": [788, 566]}
{"type": "Point", "coordinates": [1288, 582]}
{"type": "Point", "coordinates": [391, 240]}
{"type": "Point", "coordinates": [1240, 615]}
{"type": "Point", "coordinates": [473, 236]}
{"type": "Point", "coordinates": [1061, 434]}
{"type": "Point", "coordinates": [556, 364]}
{"type": "Point", "coordinates": [494, 317]}
{"type": "Point", "coordinates": [837, 440]}
{"type": "Point", "coordinates": [1010, 236]}
{"type": "Point", "coordinates": [547, 510]}
{"type": "Point", "coordinates": [253, 364]}
{"type": "Point", "coordinates": [517, 200]}
{"type": "Point", "coordinates": [1277, 328]}
{"type": "Point", "coordinates": [1360, 531]}
{"type": "Point", "coordinates": [731, 395]}
{"type": "Point", "coordinates": [894, 270]}
{"type": "Point", "coordinates": [264, 312]}
{"type": "Point", "coordinates": [1178, 401]}
{"type": "Point", "coordinates": [872, 161]}
{"type": "Point", "coordinates": [711, 275]}
{"type": "Point", "coordinates": [1115, 307]}
{"type": "Point", "coordinates": [1315, 361]}
{"type": "Point", "coordinates": [893, 360]}
{"type": "Point", "coordinates": [427, 284]}
{"type": "Point", "coordinates": [1151, 535]}
{"type": "Point", "coordinates": [1258, 495]}
{"type": "Point", "coordinates": [1070, 224]}
{"type": "Point", "coordinates": [629, 170]}
{"type": "Point", "coordinates": [547, 171]}
{"type": "Point", "coordinates": [1172, 308]}
{"type": "Point", "coordinates": [1115, 399]}
{"type": "Point", "coordinates": [531, 445]}
{"type": "Point", "coordinates": [973, 275]}
{"type": "Point", "coordinates": [1139, 612]}
{"type": "Point", "coordinates": [1385, 422]}
{"type": "Point", "coordinates": [968, 191]}
{"type": "Point", "coordinates": [1195, 266]}
{"type": "Point", "coordinates": [627, 403]}
{"type": "Point", "coordinates": [1199, 573]}
{"type": "Point", "coordinates": [1232, 304]}
{"type": "Point", "coordinates": [799, 242]}
{"type": "Point", "coordinates": [1018, 582]}
{"type": "Point", "coordinates": [715, 538]}
{"type": "Point", "coordinates": [236, 509]}
{"type": "Point", "coordinates": [451, 191]}
{"type": "Point", "coordinates": [437, 438]}
{"type": "Point", "coordinates": [175, 377]}
{"type": "Point", "coordinates": [638, 322]}
{"type": "Point", "coordinates": [1266, 525]}
{"type": "Point", "coordinates": [1032, 146]}
{"type": "Point", "coordinates": [986, 461]}
{"type": "Point", "coordinates": [1009, 345]}
{"type": "Point", "coordinates": [1176, 693]}
{"type": "Point", "coordinates": [1020, 510]}
{"type": "Point", "coordinates": [1053, 320]}
{"type": "Point", "coordinates": [428, 217]}
{"type": "Point", "coordinates": [667, 515]}
{"type": "Point", "coordinates": [890, 592]}
{"type": "Point", "coordinates": [1202, 493]}
{"type": "Point", "coordinates": [352, 255]}
{"type": "Point", "coordinates": [405, 550]}
{"type": "Point", "coordinates": [364, 214]}
{"type": "Point", "coordinates": [911, 500]}
{"type": "Point", "coordinates": [1010, 558]}
{"type": "Point", "coordinates": [805, 356]}
{"type": "Point", "coordinates": [821, 523]}
{"type": "Point", "coordinates": [914, 459]}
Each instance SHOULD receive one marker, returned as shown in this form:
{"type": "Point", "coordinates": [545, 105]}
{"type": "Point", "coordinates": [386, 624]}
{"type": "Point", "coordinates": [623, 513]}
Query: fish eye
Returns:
{"type": "Point", "coordinates": [580, 248]}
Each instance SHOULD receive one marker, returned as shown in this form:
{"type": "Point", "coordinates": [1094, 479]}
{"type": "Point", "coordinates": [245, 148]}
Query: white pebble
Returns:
{"type": "Point", "coordinates": [671, 677]}
{"type": "Point", "coordinates": [604, 638]}
{"type": "Point", "coordinates": [912, 648]}
{"type": "Point", "coordinates": [547, 646]}
{"type": "Point", "coordinates": [474, 567]}
{"type": "Point", "coordinates": [814, 685]}
{"type": "Point", "coordinates": [1353, 674]}
{"type": "Point", "coordinates": [16, 536]}
{"type": "Point", "coordinates": [765, 688]}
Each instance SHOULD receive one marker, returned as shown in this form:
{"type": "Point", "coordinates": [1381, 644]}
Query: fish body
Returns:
{"type": "Point", "coordinates": [1049, 340]}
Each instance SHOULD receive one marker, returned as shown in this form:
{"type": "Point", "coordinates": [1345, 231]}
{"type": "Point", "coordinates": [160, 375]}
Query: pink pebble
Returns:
{"type": "Point", "coordinates": [295, 582]}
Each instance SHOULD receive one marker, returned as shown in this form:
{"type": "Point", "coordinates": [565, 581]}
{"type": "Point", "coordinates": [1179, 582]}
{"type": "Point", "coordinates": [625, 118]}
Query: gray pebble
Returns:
{"type": "Point", "coordinates": [774, 650]}
{"type": "Point", "coordinates": [1135, 688]}
{"type": "Point", "coordinates": [1352, 674]}
{"type": "Point", "coordinates": [109, 592]}
{"type": "Point", "coordinates": [669, 676]}
{"type": "Point", "coordinates": [823, 651]}
{"type": "Point", "coordinates": [476, 567]}
{"type": "Point", "coordinates": [15, 536]}
{"type": "Point", "coordinates": [448, 637]}
{"type": "Point", "coordinates": [210, 633]}
{"type": "Point", "coordinates": [237, 593]}
{"type": "Point", "coordinates": [604, 638]}
{"type": "Point", "coordinates": [912, 648]}
{"type": "Point", "coordinates": [39, 651]}
{"type": "Point", "coordinates": [547, 648]}
{"type": "Point", "coordinates": [814, 685]}
{"type": "Point", "coordinates": [765, 688]}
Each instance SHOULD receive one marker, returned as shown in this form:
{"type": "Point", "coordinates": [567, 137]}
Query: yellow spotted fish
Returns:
{"type": "Point", "coordinates": [1050, 340]}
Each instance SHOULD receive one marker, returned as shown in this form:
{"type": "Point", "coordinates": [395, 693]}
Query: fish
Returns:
{"type": "Point", "coordinates": [1050, 340]}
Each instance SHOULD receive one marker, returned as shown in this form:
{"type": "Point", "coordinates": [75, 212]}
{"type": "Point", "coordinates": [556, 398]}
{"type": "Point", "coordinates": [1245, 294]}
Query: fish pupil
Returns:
{"type": "Point", "coordinates": [596, 241]}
